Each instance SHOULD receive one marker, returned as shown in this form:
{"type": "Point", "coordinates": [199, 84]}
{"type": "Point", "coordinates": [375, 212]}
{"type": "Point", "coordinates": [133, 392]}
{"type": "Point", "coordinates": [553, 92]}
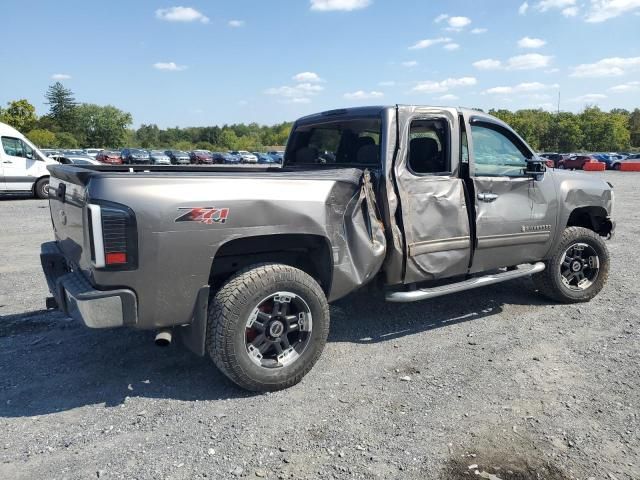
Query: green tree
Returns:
{"type": "Point", "coordinates": [183, 145]}
{"type": "Point", "coordinates": [62, 105]}
{"type": "Point", "coordinates": [148, 136]}
{"type": "Point", "coordinates": [634, 128]}
{"type": "Point", "coordinates": [567, 132]}
{"type": "Point", "coordinates": [42, 138]}
{"type": "Point", "coordinates": [66, 140]}
{"type": "Point", "coordinates": [20, 114]}
{"type": "Point", "coordinates": [99, 126]}
{"type": "Point", "coordinates": [229, 140]}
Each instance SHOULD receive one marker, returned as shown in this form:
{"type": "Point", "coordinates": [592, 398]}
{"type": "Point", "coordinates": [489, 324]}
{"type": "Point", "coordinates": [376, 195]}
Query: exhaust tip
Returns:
{"type": "Point", "coordinates": [163, 338]}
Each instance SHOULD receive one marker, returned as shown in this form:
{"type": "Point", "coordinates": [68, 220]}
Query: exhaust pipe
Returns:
{"type": "Point", "coordinates": [163, 338]}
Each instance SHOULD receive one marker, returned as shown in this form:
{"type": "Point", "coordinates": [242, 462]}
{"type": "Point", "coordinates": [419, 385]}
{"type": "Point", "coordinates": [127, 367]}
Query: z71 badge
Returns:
{"type": "Point", "coordinates": [207, 215]}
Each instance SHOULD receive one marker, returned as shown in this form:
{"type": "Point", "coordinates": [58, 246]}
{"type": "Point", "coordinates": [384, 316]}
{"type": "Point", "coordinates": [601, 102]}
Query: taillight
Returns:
{"type": "Point", "coordinates": [113, 236]}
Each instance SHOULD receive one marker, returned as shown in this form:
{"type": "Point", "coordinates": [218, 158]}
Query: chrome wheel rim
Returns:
{"type": "Point", "coordinates": [278, 331]}
{"type": "Point", "coordinates": [579, 267]}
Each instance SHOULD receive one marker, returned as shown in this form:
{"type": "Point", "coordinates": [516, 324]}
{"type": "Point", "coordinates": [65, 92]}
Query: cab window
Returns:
{"type": "Point", "coordinates": [17, 148]}
{"type": "Point", "coordinates": [497, 152]}
{"type": "Point", "coordinates": [428, 153]}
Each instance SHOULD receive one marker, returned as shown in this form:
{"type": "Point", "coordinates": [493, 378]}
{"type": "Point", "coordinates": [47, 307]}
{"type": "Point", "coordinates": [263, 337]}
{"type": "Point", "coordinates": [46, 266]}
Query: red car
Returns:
{"type": "Point", "coordinates": [577, 162]}
{"type": "Point", "coordinates": [110, 157]}
{"type": "Point", "coordinates": [200, 157]}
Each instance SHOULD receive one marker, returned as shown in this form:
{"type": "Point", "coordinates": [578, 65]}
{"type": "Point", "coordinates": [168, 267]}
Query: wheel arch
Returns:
{"type": "Point", "coordinates": [308, 252]}
{"type": "Point", "coordinates": [594, 218]}
{"type": "Point", "coordinates": [35, 182]}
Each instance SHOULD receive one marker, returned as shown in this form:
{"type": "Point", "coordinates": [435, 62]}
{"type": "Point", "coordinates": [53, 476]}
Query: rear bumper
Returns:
{"type": "Point", "coordinates": [77, 298]}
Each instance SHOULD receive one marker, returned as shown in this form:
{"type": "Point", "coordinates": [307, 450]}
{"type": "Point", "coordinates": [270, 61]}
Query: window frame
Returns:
{"type": "Point", "coordinates": [506, 132]}
{"type": "Point", "coordinates": [446, 147]}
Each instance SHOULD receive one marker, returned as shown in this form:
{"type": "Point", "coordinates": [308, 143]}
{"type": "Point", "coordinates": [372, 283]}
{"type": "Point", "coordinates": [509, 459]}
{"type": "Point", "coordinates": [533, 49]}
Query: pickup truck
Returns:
{"type": "Point", "coordinates": [242, 263]}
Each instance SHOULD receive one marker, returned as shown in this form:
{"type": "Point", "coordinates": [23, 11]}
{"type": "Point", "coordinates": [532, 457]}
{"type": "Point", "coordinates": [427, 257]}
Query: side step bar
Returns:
{"type": "Point", "coordinates": [425, 293]}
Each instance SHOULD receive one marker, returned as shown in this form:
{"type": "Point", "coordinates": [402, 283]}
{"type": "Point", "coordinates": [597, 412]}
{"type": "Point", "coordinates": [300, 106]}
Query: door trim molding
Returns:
{"type": "Point", "coordinates": [440, 245]}
{"type": "Point", "coordinates": [509, 239]}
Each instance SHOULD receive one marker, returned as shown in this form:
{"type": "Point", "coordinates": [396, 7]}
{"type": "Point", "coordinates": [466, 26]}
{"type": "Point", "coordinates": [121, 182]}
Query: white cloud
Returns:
{"type": "Point", "coordinates": [410, 64]}
{"type": "Point", "coordinates": [601, 10]}
{"type": "Point", "coordinates": [342, 5]}
{"type": "Point", "coordinates": [626, 87]}
{"type": "Point", "coordinates": [300, 93]}
{"type": "Point", "coordinates": [458, 23]}
{"type": "Point", "coordinates": [60, 76]}
{"type": "Point", "coordinates": [169, 66]}
{"type": "Point", "coordinates": [570, 11]}
{"type": "Point", "coordinates": [449, 97]}
{"type": "Point", "coordinates": [445, 85]}
{"type": "Point", "coordinates": [545, 5]}
{"type": "Point", "coordinates": [309, 77]}
{"type": "Point", "coordinates": [362, 95]}
{"type": "Point", "coordinates": [528, 42]}
{"type": "Point", "coordinates": [387, 83]}
{"type": "Point", "coordinates": [451, 46]}
{"type": "Point", "coordinates": [236, 23]}
{"type": "Point", "coordinates": [181, 14]}
{"type": "Point", "coordinates": [588, 98]}
{"type": "Point", "coordinates": [552, 70]}
{"type": "Point", "coordinates": [526, 87]}
{"type": "Point", "coordinates": [477, 31]}
{"type": "Point", "coordinates": [488, 64]}
{"type": "Point", "coordinates": [441, 17]}
{"type": "Point", "coordinates": [522, 10]}
{"type": "Point", "coordinates": [429, 42]}
{"type": "Point", "coordinates": [607, 67]}
{"type": "Point", "coordinates": [529, 61]}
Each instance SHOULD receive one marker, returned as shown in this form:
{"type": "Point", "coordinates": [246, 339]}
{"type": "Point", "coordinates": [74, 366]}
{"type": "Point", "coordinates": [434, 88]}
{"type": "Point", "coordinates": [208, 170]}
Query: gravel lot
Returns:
{"type": "Point", "coordinates": [503, 380]}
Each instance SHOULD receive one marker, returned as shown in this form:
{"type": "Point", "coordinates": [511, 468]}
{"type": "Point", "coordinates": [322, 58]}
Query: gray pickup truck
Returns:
{"type": "Point", "coordinates": [242, 262]}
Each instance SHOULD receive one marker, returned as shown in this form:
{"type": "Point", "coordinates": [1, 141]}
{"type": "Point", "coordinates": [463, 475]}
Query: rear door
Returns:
{"type": "Point", "coordinates": [432, 196]}
{"type": "Point", "coordinates": [515, 213]}
{"type": "Point", "coordinates": [14, 164]}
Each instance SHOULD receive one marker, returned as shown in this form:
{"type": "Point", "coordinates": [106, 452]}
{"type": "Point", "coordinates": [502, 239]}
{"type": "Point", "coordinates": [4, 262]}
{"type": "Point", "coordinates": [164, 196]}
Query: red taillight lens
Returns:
{"type": "Point", "coordinates": [115, 258]}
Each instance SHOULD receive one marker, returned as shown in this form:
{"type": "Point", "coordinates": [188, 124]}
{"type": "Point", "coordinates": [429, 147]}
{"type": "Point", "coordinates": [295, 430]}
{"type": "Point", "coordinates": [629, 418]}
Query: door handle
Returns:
{"type": "Point", "coordinates": [487, 197]}
{"type": "Point", "coordinates": [7, 161]}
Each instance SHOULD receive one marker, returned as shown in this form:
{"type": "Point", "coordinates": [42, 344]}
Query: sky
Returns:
{"type": "Point", "coordinates": [211, 62]}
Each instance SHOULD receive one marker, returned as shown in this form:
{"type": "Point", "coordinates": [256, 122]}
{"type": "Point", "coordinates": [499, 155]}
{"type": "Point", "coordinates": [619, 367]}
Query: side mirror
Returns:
{"type": "Point", "coordinates": [536, 167]}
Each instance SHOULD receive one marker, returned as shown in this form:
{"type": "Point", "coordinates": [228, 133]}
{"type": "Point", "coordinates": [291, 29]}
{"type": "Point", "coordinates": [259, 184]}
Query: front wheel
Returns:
{"type": "Point", "coordinates": [578, 269]}
{"type": "Point", "coordinates": [41, 189]}
{"type": "Point", "coordinates": [267, 326]}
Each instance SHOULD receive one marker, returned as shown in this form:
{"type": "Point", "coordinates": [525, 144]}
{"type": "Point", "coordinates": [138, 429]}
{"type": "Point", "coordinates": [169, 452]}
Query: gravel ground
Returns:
{"type": "Point", "coordinates": [504, 380]}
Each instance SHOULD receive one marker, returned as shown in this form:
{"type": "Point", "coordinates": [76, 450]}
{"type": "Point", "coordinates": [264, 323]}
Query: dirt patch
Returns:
{"type": "Point", "coordinates": [493, 465]}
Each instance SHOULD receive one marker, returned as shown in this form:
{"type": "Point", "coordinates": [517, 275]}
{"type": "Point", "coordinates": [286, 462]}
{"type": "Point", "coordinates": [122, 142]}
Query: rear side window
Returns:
{"type": "Point", "coordinates": [428, 147]}
{"type": "Point", "coordinates": [341, 142]}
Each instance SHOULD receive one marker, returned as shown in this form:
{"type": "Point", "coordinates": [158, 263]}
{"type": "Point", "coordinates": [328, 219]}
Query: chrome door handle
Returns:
{"type": "Point", "coordinates": [487, 197]}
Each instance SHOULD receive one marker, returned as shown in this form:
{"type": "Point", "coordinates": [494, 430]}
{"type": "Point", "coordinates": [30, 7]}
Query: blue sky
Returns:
{"type": "Point", "coordinates": [206, 62]}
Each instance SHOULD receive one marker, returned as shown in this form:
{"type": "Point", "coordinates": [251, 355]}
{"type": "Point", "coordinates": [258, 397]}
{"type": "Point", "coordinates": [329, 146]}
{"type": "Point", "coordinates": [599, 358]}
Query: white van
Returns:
{"type": "Point", "coordinates": [23, 168]}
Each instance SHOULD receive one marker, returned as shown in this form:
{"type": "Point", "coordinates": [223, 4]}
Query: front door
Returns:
{"type": "Point", "coordinates": [515, 213]}
{"type": "Point", "coordinates": [14, 164]}
{"type": "Point", "coordinates": [432, 196]}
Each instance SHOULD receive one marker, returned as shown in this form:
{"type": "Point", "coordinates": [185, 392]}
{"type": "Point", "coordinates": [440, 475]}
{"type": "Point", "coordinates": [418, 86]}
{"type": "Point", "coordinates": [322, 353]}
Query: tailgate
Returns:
{"type": "Point", "coordinates": [67, 202]}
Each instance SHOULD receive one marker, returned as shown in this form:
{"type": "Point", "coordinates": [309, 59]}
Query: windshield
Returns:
{"type": "Point", "coordinates": [341, 142]}
{"type": "Point", "coordinates": [157, 152]}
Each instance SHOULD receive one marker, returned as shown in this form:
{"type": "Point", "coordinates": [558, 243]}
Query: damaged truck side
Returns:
{"type": "Point", "coordinates": [242, 263]}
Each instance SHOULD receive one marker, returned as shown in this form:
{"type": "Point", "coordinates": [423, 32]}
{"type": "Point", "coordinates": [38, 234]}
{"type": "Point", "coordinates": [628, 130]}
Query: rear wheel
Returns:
{"type": "Point", "coordinates": [616, 166]}
{"type": "Point", "coordinates": [578, 269]}
{"type": "Point", "coordinates": [267, 326]}
{"type": "Point", "coordinates": [41, 189]}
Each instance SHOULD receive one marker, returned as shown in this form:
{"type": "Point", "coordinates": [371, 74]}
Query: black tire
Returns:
{"type": "Point", "coordinates": [550, 282]}
{"type": "Point", "coordinates": [41, 188]}
{"type": "Point", "coordinates": [616, 166]}
{"type": "Point", "coordinates": [230, 309]}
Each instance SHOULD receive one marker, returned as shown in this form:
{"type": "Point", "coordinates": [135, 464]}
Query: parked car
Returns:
{"type": "Point", "coordinates": [158, 157]}
{"type": "Point", "coordinates": [23, 168]}
{"type": "Point", "coordinates": [266, 159]}
{"type": "Point", "coordinates": [178, 157]}
{"type": "Point", "coordinates": [577, 162]}
{"type": "Point", "coordinates": [135, 156]}
{"type": "Point", "coordinates": [75, 160]}
{"type": "Point", "coordinates": [200, 157]}
{"type": "Point", "coordinates": [617, 164]}
{"type": "Point", "coordinates": [555, 158]}
{"type": "Point", "coordinates": [111, 157]}
{"type": "Point", "coordinates": [50, 151]}
{"type": "Point", "coordinates": [222, 157]}
{"type": "Point", "coordinates": [603, 158]}
{"type": "Point", "coordinates": [277, 154]}
{"type": "Point", "coordinates": [245, 157]}
{"type": "Point", "coordinates": [267, 253]}
{"type": "Point", "coordinates": [92, 152]}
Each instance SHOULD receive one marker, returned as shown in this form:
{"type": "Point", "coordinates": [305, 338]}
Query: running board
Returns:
{"type": "Point", "coordinates": [425, 293]}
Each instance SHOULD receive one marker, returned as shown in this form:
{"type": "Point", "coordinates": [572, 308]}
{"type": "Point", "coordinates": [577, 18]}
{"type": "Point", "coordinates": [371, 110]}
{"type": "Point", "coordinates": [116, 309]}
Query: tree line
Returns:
{"type": "Point", "coordinates": [70, 124]}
